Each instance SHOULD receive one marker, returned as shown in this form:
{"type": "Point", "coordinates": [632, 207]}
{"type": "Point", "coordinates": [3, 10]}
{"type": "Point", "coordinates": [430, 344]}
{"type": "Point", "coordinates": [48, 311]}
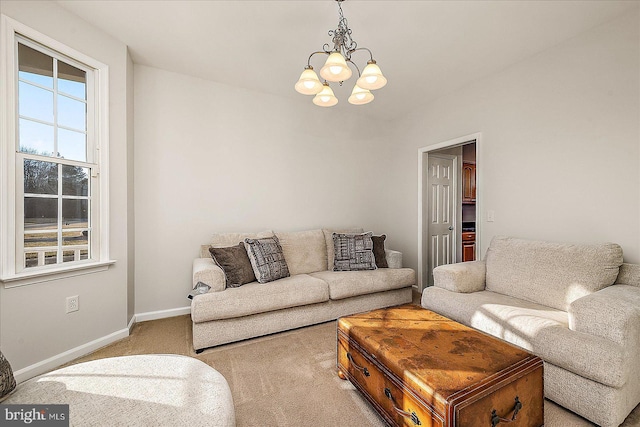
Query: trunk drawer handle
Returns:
{"type": "Point", "coordinates": [365, 371]}
{"type": "Point", "coordinates": [495, 419]}
{"type": "Point", "coordinates": [412, 416]}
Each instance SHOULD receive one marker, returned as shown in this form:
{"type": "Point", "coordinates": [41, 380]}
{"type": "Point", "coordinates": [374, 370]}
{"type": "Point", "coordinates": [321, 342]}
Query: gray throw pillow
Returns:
{"type": "Point", "coordinates": [7, 381]}
{"type": "Point", "coordinates": [353, 252]}
{"type": "Point", "coordinates": [267, 259]}
{"type": "Point", "coordinates": [235, 264]}
{"type": "Point", "coordinates": [378, 251]}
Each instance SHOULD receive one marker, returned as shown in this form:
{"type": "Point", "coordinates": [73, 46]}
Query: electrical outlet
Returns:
{"type": "Point", "coordinates": [73, 303]}
{"type": "Point", "coordinates": [491, 216]}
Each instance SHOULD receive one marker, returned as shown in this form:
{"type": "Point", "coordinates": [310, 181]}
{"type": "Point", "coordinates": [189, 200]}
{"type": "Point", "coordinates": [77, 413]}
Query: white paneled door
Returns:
{"type": "Point", "coordinates": [441, 248]}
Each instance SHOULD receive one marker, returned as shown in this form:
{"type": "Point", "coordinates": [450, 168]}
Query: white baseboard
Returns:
{"type": "Point", "coordinates": [131, 323]}
{"type": "Point", "coordinates": [36, 369]}
{"type": "Point", "coordinates": [161, 314]}
{"type": "Point", "coordinates": [31, 371]}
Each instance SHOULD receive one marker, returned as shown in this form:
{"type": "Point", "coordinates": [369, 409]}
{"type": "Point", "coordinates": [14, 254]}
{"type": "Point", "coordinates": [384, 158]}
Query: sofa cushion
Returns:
{"type": "Point", "coordinates": [353, 252]}
{"type": "Point", "coordinates": [304, 251]}
{"type": "Point", "coordinates": [255, 298]}
{"type": "Point", "coordinates": [541, 330]}
{"type": "Point", "coordinates": [378, 251]}
{"type": "Point", "coordinates": [235, 264]}
{"type": "Point", "coordinates": [328, 238]}
{"type": "Point", "coordinates": [629, 275]}
{"type": "Point", "coordinates": [612, 313]}
{"type": "Point", "coordinates": [267, 259]}
{"type": "Point", "coordinates": [551, 274]}
{"type": "Point", "coordinates": [345, 284]}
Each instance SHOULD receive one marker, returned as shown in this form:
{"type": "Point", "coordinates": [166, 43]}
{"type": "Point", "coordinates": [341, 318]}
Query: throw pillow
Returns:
{"type": "Point", "coordinates": [235, 264]}
{"type": "Point", "coordinates": [7, 381]}
{"type": "Point", "coordinates": [266, 259]}
{"type": "Point", "coordinates": [353, 252]}
{"type": "Point", "coordinates": [378, 251]}
{"type": "Point", "coordinates": [328, 236]}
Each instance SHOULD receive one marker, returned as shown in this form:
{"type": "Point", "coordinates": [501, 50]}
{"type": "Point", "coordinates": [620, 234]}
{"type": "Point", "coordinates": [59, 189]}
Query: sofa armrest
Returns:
{"type": "Point", "coordinates": [463, 277]}
{"type": "Point", "coordinates": [394, 258]}
{"type": "Point", "coordinates": [612, 313]}
{"type": "Point", "coordinates": [207, 272]}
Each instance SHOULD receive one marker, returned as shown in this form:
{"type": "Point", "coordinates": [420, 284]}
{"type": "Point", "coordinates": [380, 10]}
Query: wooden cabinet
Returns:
{"type": "Point", "coordinates": [468, 182]}
{"type": "Point", "coordinates": [468, 246]}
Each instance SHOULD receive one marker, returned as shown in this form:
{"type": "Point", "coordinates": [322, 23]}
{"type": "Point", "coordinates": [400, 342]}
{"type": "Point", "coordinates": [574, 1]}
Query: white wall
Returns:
{"type": "Point", "coordinates": [560, 160]}
{"type": "Point", "coordinates": [33, 322]}
{"type": "Point", "coordinates": [211, 158]}
{"type": "Point", "coordinates": [560, 156]}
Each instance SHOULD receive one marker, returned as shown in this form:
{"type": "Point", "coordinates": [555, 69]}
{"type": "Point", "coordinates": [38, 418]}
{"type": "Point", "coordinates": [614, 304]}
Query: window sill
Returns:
{"type": "Point", "coordinates": [30, 278]}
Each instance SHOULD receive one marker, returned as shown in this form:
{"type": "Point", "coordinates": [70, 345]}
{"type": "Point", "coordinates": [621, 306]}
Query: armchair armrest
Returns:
{"type": "Point", "coordinates": [612, 313]}
{"type": "Point", "coordinates": [394, 258]}
{"type": "Point", "coordinates": [207, 272]}
{"type": "Point", "coordinates": [463, 277]}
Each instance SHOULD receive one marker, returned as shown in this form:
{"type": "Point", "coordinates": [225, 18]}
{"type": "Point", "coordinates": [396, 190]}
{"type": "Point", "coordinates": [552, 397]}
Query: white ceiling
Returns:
{"type": "Point", "coordinates": [425, 48]}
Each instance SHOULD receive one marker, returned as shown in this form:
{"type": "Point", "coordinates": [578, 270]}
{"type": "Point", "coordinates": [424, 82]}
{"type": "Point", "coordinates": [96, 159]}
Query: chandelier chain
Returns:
{"type": "Point", "coordinates": [341, 37]}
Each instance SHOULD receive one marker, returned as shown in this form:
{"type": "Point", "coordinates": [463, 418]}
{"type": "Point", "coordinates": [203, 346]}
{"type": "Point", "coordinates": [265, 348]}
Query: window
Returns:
{"type": "Point", "coordinates": [54, 218]}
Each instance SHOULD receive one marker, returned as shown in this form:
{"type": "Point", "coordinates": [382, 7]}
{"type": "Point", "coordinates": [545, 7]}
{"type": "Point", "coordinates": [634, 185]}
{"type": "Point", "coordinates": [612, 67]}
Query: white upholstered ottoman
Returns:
{"type": "Point", "coordinates": [145, 390]}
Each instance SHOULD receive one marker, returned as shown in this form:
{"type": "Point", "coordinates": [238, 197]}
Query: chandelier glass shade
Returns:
{"type": "Point", "coordinates": [360, 96]}
{"type": "Point", "coordinates": [308, 84]}
{"type": "Point", "coordinates": [325, 98]}
{"type": "Point", "coordinates": [337, 69]}
{"type": "Point", "coordinates": [372, 77]}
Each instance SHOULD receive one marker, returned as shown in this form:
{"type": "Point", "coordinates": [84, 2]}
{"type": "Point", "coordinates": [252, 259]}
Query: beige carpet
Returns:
{"type": "Point", "coordinates": [286, 379]}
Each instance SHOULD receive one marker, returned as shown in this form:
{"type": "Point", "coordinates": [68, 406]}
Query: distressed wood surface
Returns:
{"type": "Point", "coordinates": [457, 373]}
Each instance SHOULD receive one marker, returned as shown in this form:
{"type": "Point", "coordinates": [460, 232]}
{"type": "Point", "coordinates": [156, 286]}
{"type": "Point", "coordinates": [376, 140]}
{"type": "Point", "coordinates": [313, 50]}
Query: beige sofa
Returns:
{"type": "Point", "coordinates": [575, 306]}
{"type": "Point", "coordinates": [312, 294]}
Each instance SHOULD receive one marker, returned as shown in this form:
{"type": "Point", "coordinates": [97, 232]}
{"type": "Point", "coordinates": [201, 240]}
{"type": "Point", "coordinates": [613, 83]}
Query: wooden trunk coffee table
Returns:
{"type": "Point", "coordinates": [418, 368]}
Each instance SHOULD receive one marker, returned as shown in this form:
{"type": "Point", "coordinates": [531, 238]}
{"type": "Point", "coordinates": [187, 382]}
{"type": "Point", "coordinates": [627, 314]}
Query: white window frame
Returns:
{"type": "Point", "coordinates": [11, 208]}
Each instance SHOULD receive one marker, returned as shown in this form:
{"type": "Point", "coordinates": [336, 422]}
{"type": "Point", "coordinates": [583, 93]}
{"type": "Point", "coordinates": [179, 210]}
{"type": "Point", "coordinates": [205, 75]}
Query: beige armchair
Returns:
{"type": "Point", "coordinates": [575, 306]}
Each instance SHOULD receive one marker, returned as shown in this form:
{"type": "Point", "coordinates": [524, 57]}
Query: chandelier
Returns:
{"type": "Point", "coordinates": [336, 70]}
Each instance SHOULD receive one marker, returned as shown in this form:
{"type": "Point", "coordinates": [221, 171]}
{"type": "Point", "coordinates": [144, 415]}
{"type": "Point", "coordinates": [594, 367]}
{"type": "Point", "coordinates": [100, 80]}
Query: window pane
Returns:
{"type": "Point", "coordinates": [40, 178]}
{"type": "Point", "coordinates": [72, 145]}
{"type": "Point", "coordinates": [72, 80]}
{"type": "Point", "coordinates": [75, 238]}
{"type": "Point", "coordinates": [35, 102]}
{"type": "Point", "coordinates": [36, 138]}
{"type": "Point", "coordinates": [75, 213]}
{"type": "Point", "coordinates": [31, 258]}
{"type": "Point", "coordinates": [72, 113]}
{"type": "Point", "coordinates": [40, 213]}
{"type": "Point", "coordinates": [68, 256]}
{"type": "Point", "coordinates": [50, 258]}
{"type": "Point", "coordinates": [32, 240]}
{"type": "Point", "coordinates": [75, 181]}
{"type": "Point", "coordinates": [35, 66]}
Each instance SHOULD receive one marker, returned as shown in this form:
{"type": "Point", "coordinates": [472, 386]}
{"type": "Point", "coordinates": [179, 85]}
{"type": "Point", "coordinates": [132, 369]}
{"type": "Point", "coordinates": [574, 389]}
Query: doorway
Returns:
{"type": "Point", "coordinates": [448, 194]}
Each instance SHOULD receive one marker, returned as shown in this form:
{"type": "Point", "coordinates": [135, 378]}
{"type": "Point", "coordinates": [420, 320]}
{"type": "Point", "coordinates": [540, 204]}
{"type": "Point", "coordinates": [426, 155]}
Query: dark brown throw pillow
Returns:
{"type": "Point", "coordinates": [378, 251]}
{"type": "Point", "coordinates": [235, 263]}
